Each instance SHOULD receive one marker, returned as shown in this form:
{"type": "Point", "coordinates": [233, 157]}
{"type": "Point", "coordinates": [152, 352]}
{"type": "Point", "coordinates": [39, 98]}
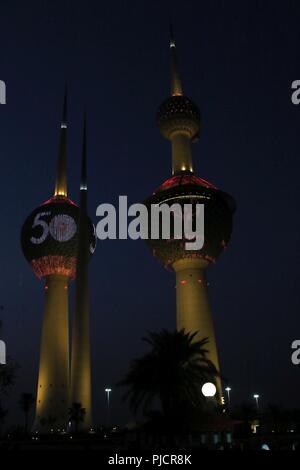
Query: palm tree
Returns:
{"type": "Point", "coordinates": [26, 402]}
{"type": "Point", "coordinates": [173, 371]}
{"type": "Point", "coordinates": [48, 423]}
{"type": "Point", "coordinates": [77, 414]}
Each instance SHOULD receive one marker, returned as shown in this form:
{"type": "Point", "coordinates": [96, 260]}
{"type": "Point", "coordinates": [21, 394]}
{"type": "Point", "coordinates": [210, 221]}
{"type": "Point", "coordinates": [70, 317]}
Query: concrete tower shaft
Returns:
{"type": "Point", "coordinates": [181, 153]}
{"type": "Point", "coordinates": [81, 361]}
{"type": "Point", "coordinates": [178, 119]}
{"type": "Point", "coordinates": [49, 242]}
{"type": "Point", "coordinates": [193, 312]}
{"type": "Point", "coordinates": [53, 382]}
{"type": "Point", "coordinates": [61, 185]}
{"type": "Point", "coordinates": [53, 392]}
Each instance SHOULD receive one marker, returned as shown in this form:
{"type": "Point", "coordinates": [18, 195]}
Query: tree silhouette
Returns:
{"type": "Point", "coordinates": [76, 415]}
{"type": "Point", "coordinates": [26, 402]}
{"type": "Point", "coordinates": [48, 422]}
{"type": "Point", "coordinates": [173, 372]}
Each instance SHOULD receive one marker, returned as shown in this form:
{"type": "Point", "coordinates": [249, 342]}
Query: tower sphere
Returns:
{"type": "Point", "coordinates": [186, 188]}
{"type": "Point", "coordinates": [49, 238]}
{"type": "Point", "coordinates": [178, 119]}
{"type": "Point", "coordinates": [178, 114]}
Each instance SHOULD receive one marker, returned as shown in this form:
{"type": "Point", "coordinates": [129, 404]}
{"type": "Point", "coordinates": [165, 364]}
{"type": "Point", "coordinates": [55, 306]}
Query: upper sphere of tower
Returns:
{"type": "Point", "coordinates": [178, 114]}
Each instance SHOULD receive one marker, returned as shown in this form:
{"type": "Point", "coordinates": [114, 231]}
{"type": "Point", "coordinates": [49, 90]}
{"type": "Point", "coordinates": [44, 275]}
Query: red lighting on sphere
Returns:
{"type": "Point", "coordinates": [47, 265]}
{"type": "Point", "coordinates": [182, 179]}
{"type": "Point", "coordinates": [59, 200]}
{"type": "Point", "coordinates": [183, 281]}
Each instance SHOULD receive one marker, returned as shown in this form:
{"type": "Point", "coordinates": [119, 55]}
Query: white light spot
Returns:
{"type": "Point", "coordinates": [209, 389]}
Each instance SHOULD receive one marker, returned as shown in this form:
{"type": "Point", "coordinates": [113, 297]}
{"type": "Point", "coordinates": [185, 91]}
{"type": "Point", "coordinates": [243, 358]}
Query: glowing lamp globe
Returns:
{"type": "Point", "coordinates": [209, 389]}
{"type": "Point", "coordinates": [49, 238]}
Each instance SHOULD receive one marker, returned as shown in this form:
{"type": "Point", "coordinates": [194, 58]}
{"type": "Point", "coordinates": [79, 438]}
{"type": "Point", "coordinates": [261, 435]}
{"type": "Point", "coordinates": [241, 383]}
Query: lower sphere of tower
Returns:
{"type": "Point", "coordinates": [218, 212]}
{"type": "Point", "coordinates": [49, 238]}
{"type": "Point", "coordinates": [178, 114]}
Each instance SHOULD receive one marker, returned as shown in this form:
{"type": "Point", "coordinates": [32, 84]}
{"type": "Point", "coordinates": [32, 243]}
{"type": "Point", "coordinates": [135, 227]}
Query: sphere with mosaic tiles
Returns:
{"type": "Point", "coordinates": [219, 207]}
{"type": "Point", "coordinates": [49, 237]}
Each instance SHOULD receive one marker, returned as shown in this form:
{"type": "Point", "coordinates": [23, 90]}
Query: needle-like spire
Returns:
{"type": "Point", "coordinates": [61, 186]}
{"type": "Point", "coordinates": [80, 358]}
{"type": "Point", "coordinates": [83, 180]}
{"type": "Point", "coordinates": [176, 87]}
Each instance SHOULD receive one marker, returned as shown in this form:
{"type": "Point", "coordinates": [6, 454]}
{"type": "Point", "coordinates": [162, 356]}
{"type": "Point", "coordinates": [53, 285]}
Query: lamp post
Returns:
{"type": "Point", "coordinates": [108, 392]}
{"type": "Point", "coordinates": [228, 390]}
{"type": "Point", "coordinates": [256, 397]}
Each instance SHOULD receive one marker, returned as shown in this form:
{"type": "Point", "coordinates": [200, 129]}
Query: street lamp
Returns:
{"type": "Point", "coordinates": [256, 397]}
{"type": "Point", "coordinates": [228, 390]}
{"type": "Point", "coordinates": [108, 392]}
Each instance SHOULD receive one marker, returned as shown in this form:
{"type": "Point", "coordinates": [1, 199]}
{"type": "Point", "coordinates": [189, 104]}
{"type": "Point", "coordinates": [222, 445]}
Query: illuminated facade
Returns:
{"type": "Point", "coordinates": [178, 119]}
{"type": "Point", "coordinates": [81, 361]}
{"type": "Point", "coordinates": [50, 243]}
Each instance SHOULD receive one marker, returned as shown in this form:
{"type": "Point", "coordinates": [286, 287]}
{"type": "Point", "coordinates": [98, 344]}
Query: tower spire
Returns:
{"type": "Point", "coordinates": [80, 358]}
{"type": "Point", "coordinates": [83, 179]}
{"type": "Point", "coordinates": [176, 86]}
{"type": "Point", "coordinates": [61, 187]}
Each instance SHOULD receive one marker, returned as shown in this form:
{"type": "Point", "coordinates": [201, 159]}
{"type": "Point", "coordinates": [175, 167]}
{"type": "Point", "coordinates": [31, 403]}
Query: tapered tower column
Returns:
{"type": "Point", "coordinates": [81, 361]}
{"type": "Point", "coordinates": [53, 381]}
{"type": "Point", "coordinates": [61, 183]}
{"type": "Point", "coordinates": [181, 153]}
{"type": "Point", "coordinates": [192, 305]}
{"type": "Point", "coordinates": [49, 243]}
{"type": "Point", "coordinates": [179, 119]}
{"type": "Point", "coordinates": [51, 238]}
{"type": "Point", "coordinates": [179, 135]}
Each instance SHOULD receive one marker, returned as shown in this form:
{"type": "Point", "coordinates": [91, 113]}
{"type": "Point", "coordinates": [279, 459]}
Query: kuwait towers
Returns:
{"type": "Point", "coordinates": [81, 362]}
{"type": "Point", "coordinates": [178, 119]}
{"type": "Point", "coordinates": [55, 240]}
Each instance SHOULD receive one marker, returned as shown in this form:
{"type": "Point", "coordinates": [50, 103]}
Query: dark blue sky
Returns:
{"type": "Point", "coordinates": [237, 61]}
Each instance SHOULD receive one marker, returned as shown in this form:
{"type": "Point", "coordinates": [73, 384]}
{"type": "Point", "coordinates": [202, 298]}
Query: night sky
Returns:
{"type": "Point", "coordinates": [237, 61]}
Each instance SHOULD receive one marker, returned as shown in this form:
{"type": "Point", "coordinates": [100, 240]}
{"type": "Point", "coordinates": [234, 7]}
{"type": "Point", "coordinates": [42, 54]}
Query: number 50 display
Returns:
{"type": "Point", "coordinates": [61, 227]}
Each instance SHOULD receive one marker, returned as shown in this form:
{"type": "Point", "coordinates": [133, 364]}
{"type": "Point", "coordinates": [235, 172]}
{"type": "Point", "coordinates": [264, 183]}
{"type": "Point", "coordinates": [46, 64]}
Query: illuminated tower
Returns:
{"type": "Point", "coordinates": [178, 119]}
{"type": "Point", "coordinates": [49, 241]}
{"type": "Point", "coordinates": [81, 362]}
